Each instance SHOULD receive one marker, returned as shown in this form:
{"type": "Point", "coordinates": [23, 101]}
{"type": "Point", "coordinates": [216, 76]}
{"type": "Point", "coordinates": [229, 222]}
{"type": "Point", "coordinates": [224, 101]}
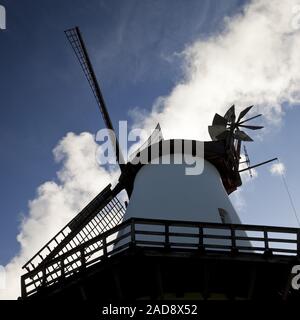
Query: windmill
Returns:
{"type": "Point", "coordinates": [175, 230]}
{"type": "Point", "coordinates": [106, 210]}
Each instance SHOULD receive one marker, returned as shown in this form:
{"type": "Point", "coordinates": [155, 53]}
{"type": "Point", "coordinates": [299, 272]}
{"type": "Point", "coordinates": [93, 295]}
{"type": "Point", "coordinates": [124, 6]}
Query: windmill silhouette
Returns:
{"type": "Point", "coordinates": [177, 231]}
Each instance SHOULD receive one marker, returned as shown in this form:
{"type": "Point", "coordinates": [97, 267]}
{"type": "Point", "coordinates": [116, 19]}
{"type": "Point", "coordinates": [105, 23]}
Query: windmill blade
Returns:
{"type": "Point", "coordinates": [215, 131]}
{"type": "Point", "coordinates": [251, 127]}
{"type": "Point", "coordinates": [103, 213]}
{"type": "Point", "coordinates": [219, 121]}
{"type": "Point", "coordinates": [246, 120]}
{"type": "Point", "coordinates": [218, 127]}
{"type": "Point", "coordinates": [243, 113]}
{"type": "Point", "coordinates": [155, 137]}
{"type": "Point", "coordinates": [223, 135]}
{"type": "Point", "coordinates": [230, 114]}
{"type": "Point", "coordinates": [241, 135]}
{"type": "Point", "coordinates": [77, 43]}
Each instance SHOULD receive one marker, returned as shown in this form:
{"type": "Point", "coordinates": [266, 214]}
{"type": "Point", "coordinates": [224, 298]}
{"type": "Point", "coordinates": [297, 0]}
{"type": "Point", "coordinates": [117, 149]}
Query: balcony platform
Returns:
{"type": "Point", "coordinates": [201, 261]}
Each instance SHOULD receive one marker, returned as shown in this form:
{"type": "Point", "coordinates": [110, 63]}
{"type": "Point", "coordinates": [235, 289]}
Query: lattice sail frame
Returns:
{"type": "Point", "coordinates": [76, 41]}
{"type": "Point", "coordinates": [104, 212]}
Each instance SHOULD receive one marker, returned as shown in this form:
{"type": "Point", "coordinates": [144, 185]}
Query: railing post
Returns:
{"type": "Point", "coordinates": [82, 258]}
{"type": "Point", "coordinates": [44, 277]}
{"type": "Point", "coordinates": [266, 242]}
{"type": "Point", "coordinates": [132, 233]}
{"type": "Point", "coordinates": [298, 243]}
{"type": "Point", "coordinates": [233, 240]}
{"type": "Point", "coordinates": [104, 244]}
{"type": "Point", "coordinates": [201, 239]}
{"type": "Point", "coordinates": [167, 236]}
{"type": "Point", "coordinates": [62, 266]}
{"type": "Point", "coordinates": [23, 287]}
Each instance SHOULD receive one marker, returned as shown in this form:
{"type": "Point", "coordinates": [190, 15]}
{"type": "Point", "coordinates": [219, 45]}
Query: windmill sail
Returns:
{"type": "Point", "coordinates": [77, 43]}
{"type": "Point", "coordinates": [103, 213]}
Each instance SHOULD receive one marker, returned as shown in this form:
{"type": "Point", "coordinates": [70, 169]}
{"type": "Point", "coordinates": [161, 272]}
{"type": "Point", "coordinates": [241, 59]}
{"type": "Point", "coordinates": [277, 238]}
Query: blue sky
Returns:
{"type": "Point", "coordinates": [132, 43]}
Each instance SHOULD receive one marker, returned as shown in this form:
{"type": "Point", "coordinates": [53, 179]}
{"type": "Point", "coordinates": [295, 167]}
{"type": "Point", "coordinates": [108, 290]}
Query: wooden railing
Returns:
{"type": "Point", "coordinates": [168, 234]}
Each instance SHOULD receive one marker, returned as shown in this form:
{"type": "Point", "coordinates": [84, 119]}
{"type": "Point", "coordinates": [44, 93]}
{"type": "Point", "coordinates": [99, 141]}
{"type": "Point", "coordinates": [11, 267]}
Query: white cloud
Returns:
{"type": "Point", "coordinates": [278, 169]}
{"type": "Point", "coordinates": [79, 180]}
{"type": "Point", "coordinates": [255, 60]}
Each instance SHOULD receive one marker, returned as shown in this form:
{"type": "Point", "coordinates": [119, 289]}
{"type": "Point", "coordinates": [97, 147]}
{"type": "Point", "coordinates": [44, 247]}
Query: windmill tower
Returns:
{"type": "Point", "coordinates": [179, 236]}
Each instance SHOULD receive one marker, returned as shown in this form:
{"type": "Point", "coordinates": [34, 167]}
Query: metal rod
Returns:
{"type": "Point", "coordinates": [257, 165]}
